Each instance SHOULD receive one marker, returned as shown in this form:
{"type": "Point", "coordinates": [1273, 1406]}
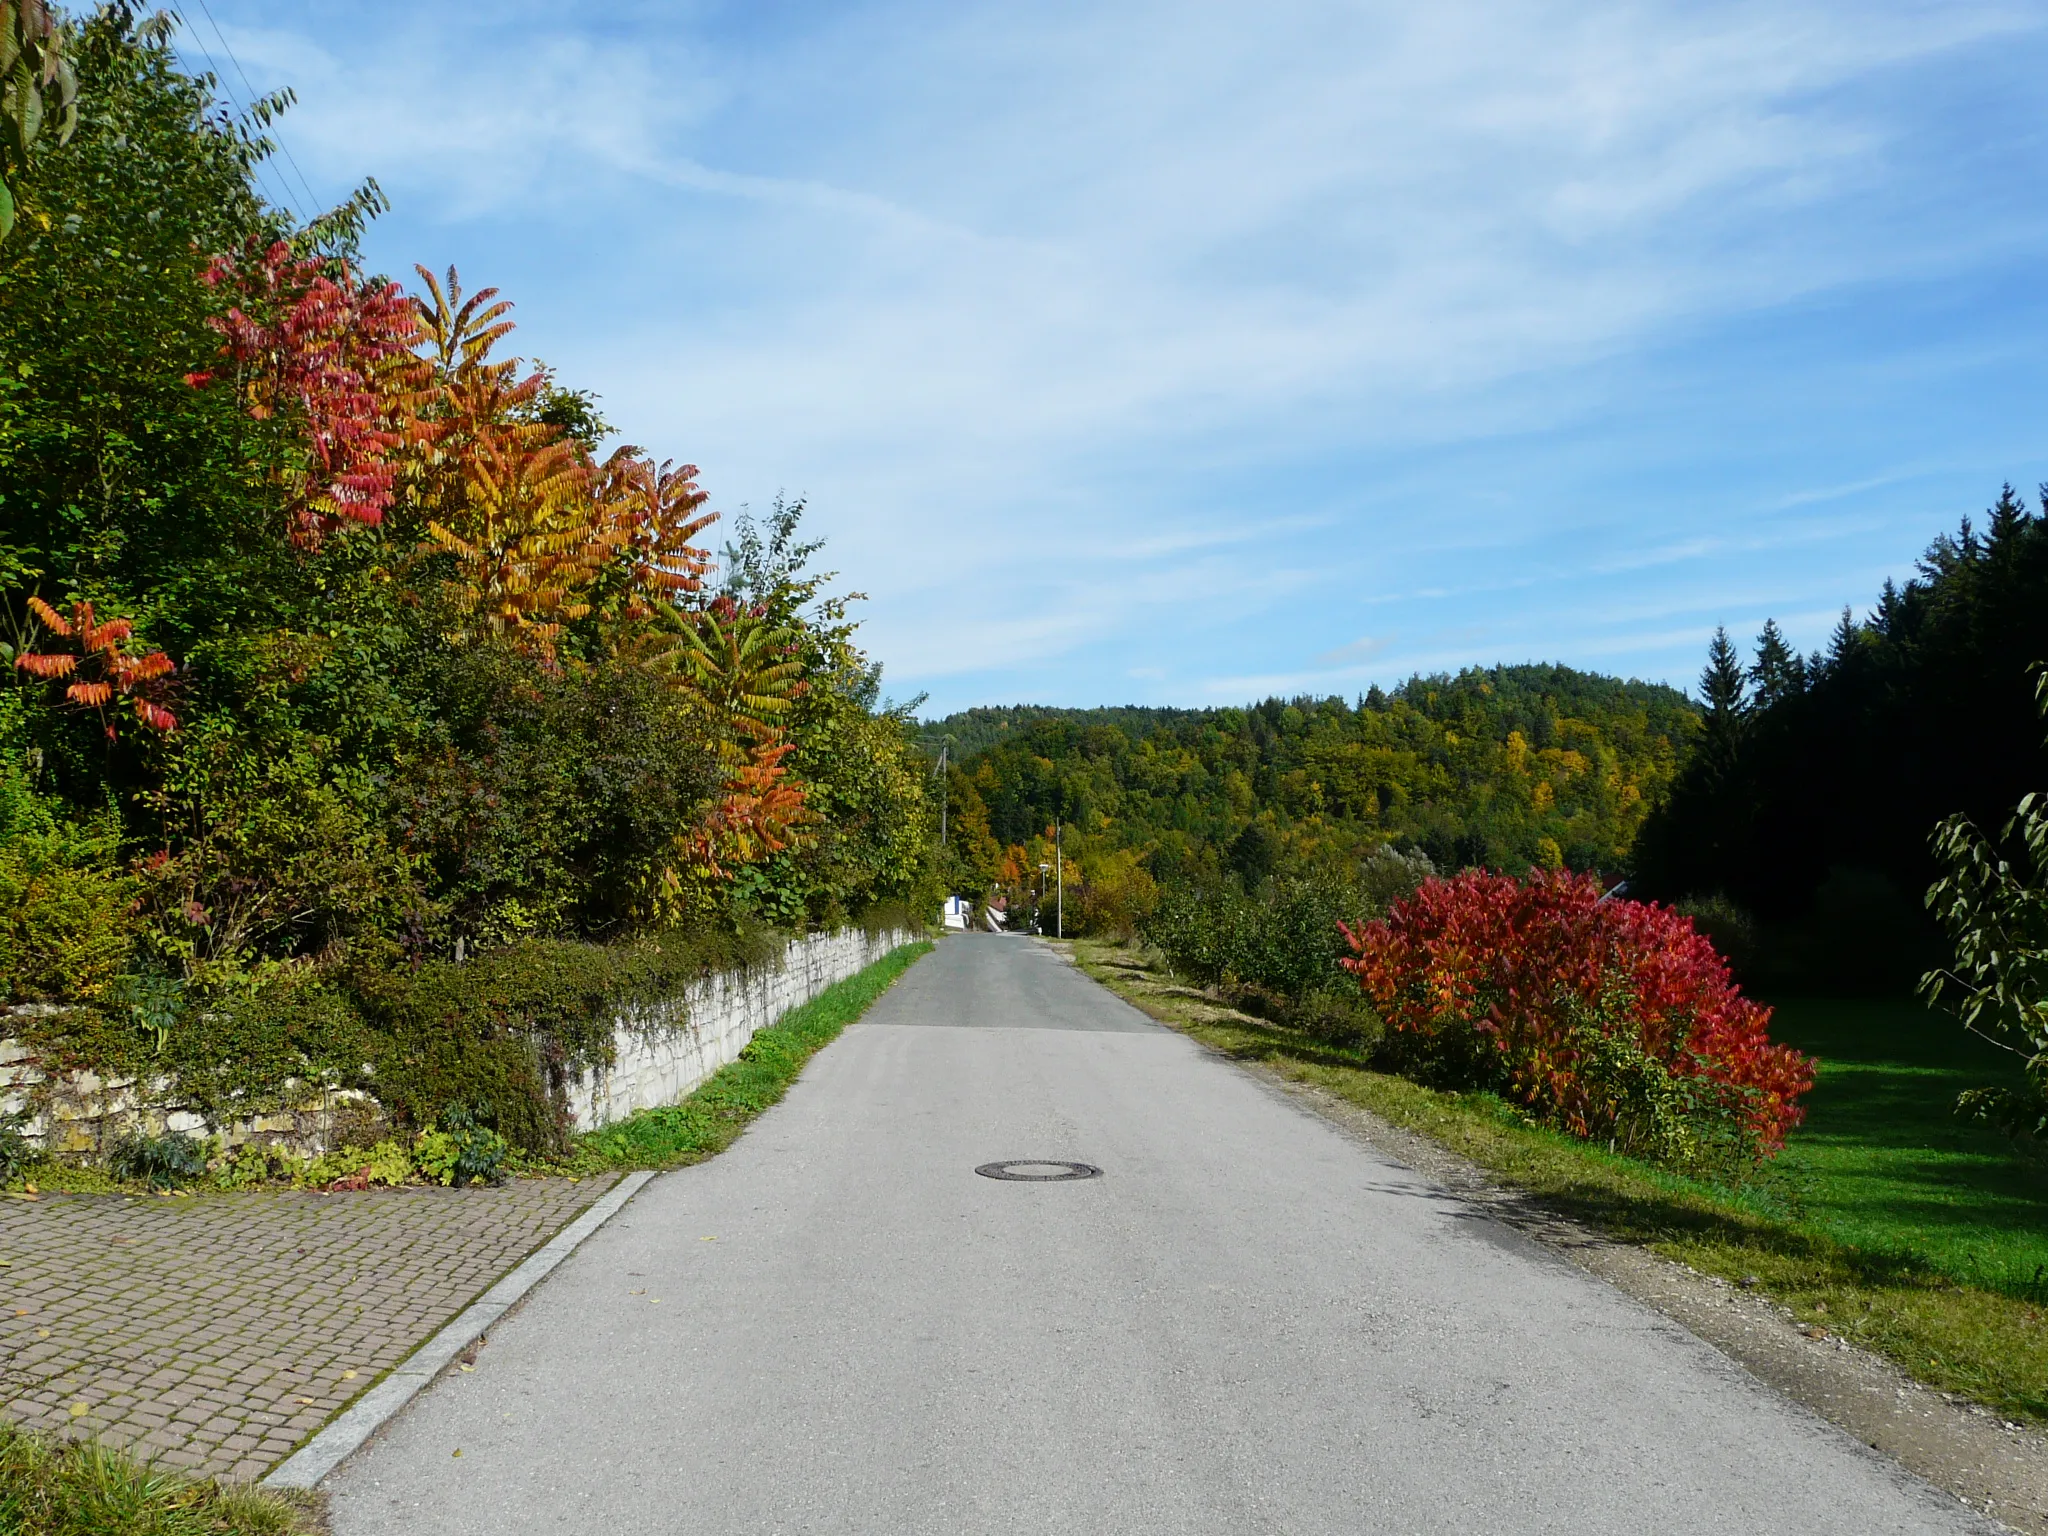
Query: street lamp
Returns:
{"type": "Point", "coordinates": [1043, 871]}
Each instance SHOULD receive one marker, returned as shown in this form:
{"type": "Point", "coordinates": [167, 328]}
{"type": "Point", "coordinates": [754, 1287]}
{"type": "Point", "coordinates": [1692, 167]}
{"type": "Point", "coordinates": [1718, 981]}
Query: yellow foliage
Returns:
{"type": "Point", "coordinates": [535, 527]}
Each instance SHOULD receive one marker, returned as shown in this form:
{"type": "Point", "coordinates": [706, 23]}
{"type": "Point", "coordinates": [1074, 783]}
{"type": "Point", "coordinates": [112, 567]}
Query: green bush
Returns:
{"type": "Point", "coordinates": [17, 1153]}
{"type": "Point", "coordinates": [504, 1033]}
{"type": "Point", "coordinates": [238, 1058]}
{"type": "Point", "coordinates": [254, 1164]}
{"type": "Point", "coordinates": [1276, 952]}
{"type": "Point", "coordinates": [478, 1153]}
{"type": "Point", "coordinates": [168, 1161]}
{"type": "Point", "coordinates": [1732, 931]}
{"type": "Point", "coordinates": [1690, 1123]}
{"type": "Point", "coordinates": [1118, 897]}
{"type": "Point", "coordinates": [68, 922]}
{"type": "Point", "coordinates": [248, 1054]}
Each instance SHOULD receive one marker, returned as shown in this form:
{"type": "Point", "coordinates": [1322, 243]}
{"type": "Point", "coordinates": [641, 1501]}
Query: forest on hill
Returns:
{"type": "Point", "coordinates": [1509, 767]}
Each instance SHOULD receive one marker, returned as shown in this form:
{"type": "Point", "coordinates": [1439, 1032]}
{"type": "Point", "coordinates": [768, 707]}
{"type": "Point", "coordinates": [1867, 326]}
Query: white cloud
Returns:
{"type": "Point", "coordinates": [1010, 290]}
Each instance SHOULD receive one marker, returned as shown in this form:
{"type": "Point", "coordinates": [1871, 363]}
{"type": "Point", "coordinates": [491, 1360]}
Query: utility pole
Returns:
{"type": "Point", "coordinates": [941, 772]}
{"type": "Point", "coordinates": [1059, 907]}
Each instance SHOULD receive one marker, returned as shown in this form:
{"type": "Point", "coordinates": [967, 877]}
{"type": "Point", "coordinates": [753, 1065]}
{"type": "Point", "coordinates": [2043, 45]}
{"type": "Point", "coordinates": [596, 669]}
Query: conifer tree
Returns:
{"type": "Point", "coordinates": [1779, 673]}
{"type": "Point", "coordinates": [1845, 640]}
{"type": "Point", "coordinates": [1723, 688]}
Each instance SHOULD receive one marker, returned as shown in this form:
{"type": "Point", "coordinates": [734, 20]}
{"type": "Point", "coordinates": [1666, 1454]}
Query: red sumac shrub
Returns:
{"type": "Point", "coordinates": [1600, 1016]}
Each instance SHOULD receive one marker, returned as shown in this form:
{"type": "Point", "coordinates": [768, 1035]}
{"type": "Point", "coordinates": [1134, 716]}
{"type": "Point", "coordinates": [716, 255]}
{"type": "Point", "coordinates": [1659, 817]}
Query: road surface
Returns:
{"type": "Point", "coordinates": [1249, 1323]}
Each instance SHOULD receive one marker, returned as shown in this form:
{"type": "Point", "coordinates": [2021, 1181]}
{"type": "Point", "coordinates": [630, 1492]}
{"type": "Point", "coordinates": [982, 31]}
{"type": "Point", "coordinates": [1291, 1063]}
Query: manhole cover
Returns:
{"type": "Point", "coordinates": [1032, 1170]}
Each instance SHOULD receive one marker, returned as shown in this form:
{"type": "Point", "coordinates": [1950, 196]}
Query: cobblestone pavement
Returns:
{"type": "Point", "coordinates": [218, 1331]}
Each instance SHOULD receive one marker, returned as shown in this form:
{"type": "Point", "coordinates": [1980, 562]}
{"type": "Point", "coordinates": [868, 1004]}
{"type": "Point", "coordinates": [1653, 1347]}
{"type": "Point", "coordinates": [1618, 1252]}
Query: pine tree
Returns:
{"type": "Point", "coordinates": [1722, 686]}
{"type": "Point", "coordinates": [1779, 674]}
{"type": "Point", "coordinates": [1847, 644]}
{"type": "Point", "coordinates": [2008, 517]}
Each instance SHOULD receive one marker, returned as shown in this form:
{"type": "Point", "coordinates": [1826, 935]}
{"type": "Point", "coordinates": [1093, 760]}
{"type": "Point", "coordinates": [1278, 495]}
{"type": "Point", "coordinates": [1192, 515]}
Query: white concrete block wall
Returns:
{"type": "Point", "coordinates": [663, 1051]}
{"type": "Point", "coordinates": [666, 1049]}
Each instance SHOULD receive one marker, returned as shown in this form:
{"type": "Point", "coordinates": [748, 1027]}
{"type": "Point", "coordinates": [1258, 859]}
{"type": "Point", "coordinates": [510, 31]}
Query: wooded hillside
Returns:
{"type": "Point", "coordinates": [1509, 767]}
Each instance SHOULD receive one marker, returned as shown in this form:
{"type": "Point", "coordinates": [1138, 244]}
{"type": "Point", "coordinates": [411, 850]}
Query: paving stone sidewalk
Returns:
{"type": "Point", "coordinates": [216, 1332]}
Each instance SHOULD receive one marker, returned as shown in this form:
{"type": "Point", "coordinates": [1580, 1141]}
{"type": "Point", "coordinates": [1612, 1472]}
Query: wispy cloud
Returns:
{"type": "Point", "coordinates": [1083, 323]}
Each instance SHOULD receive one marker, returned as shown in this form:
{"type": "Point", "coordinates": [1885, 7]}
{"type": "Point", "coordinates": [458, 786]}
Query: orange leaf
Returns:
{"type": "Point", "coordinates": [48, 615]}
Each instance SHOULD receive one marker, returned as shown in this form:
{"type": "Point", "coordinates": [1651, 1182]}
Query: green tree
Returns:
{"type": "Point", "coordinates": [1992, 900]}
{"type": "Point", "coordinates": [1778, 672]}
{"type": "Point", "coordinates": [38, 92]}
{"type": "Point", "coordinates": [1922, 711]}
{"type": "Point", "coordinates": [1724, 690]}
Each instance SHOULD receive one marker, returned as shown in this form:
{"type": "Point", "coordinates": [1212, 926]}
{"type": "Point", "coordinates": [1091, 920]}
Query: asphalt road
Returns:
{"type": "Point", "coordinates": [1249, 1323]}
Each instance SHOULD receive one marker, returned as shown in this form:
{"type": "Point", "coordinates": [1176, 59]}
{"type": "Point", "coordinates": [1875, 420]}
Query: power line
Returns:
{"type": "Point", "coordinates": [312, 202]}
{"type": "Point", "coordinates": [274, 186]}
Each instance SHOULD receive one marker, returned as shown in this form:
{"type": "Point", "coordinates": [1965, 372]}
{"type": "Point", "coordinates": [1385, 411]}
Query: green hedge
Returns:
{"type": "Point", "coordinates": [502, 1034]}
{"type": "Point", "coordinates": [505, 1032]}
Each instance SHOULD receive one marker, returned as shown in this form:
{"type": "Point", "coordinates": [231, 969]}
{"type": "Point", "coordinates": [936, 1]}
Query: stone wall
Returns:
{"type": "Point", "coordinates": [664, 1050]}
{"type": "Point", "coordinates": [82, 1114]}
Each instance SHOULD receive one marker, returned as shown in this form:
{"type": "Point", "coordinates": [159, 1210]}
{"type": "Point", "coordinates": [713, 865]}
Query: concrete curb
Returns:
{"type": "Point", "coordinates": [374, 1409]}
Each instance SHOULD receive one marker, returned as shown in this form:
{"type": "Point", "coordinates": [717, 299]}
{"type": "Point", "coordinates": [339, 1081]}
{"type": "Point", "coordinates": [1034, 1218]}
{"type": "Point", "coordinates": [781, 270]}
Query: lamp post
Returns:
{"type": "Point", "coordinates": [1059, 906]}
{"type": "Point", "coordinates": [1043, 871]}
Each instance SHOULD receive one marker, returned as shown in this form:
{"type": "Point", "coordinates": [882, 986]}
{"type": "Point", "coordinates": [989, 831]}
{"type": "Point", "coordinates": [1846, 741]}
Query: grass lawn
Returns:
{"type": "Point", "coordinates": [1883, 1163]}
{"type": "Point", "coordinates": [1886, 1221]}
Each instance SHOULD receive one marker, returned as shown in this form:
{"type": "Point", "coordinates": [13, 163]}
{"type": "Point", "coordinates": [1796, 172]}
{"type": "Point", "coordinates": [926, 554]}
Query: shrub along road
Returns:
{"type": "Point", "coordinates": [1250, 1322]}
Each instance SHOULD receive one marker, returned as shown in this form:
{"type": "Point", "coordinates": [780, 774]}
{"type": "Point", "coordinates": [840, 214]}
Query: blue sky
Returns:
{"type": "Point", "coordinates": [1185, 353]}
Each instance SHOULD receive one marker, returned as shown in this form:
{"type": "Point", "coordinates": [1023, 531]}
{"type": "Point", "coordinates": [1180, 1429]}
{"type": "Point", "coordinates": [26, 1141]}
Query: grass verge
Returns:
{"type": "Point", "coordinates": [707, 1121]}
{"type": "Point", "coordinates": [1894, 1299]}
{"type": "Point", "coordinates": [1884, 1164]}
{"type": "Point", "coordinates": [52, 1487]}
